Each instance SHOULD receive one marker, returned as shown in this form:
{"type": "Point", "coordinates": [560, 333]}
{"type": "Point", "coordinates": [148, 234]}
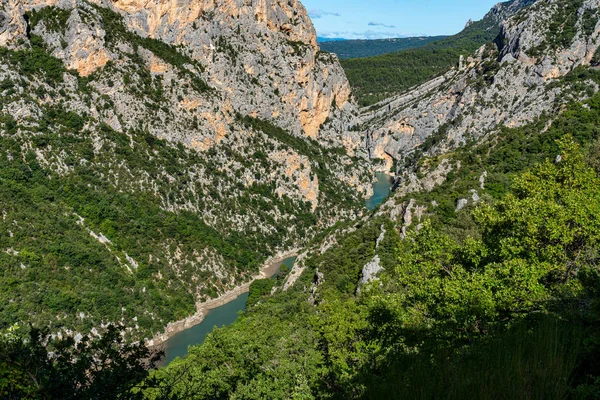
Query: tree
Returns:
{"type": "Point", "coordinates": [37, 366]}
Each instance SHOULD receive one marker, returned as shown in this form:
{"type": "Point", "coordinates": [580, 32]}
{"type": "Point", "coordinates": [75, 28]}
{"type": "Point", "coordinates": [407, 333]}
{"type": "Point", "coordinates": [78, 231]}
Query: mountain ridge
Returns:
{"type": "Point", "coordinates": [360, 48]}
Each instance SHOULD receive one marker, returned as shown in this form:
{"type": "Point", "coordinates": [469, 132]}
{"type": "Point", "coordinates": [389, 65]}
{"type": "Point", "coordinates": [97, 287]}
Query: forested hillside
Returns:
{"type": "Point", "coordinates": [376, 78]}
{"type": "Point", "coordinates": [131, 186]}
{"type": "Point", "coordinates": [496, 300]}
{"type": "Point", "coordinates": [368, 48]}
{"type": "Point", "coordinates": [500, 298]}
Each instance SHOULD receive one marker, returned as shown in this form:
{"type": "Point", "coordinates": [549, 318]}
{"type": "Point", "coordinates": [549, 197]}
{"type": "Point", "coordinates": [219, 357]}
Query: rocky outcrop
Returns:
{"type": "Point", "coordinates": [317, 281]}
{"type": "Point", "coordinates": [12, 24]}
{"type": "Point", "coordinates": [261, 57]}
{"type": "Point", "coordinates": [258, 59]}
{"type": "Point", "coordinates": [369, 272]}
{"type": "Point", "coordinates": [507, 9]}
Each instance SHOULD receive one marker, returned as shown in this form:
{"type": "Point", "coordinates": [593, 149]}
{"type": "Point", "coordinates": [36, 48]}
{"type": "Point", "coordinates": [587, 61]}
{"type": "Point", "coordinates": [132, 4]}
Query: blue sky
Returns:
{"type": "Point", "coordinates": [373, 19]}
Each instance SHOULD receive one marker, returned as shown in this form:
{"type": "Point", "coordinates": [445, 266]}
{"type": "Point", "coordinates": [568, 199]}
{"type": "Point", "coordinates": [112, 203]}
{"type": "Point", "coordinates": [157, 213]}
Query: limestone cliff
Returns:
{"type": "Point", "coordinates": [261, 56]}
{"type": "Point", "coordinates": [541, 63]}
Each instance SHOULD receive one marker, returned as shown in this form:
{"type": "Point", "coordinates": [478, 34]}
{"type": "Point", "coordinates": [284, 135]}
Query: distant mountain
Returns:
{"type": "Point", "coordinates": [369, 48]}
{"type": "Point", "coordinates": [321, 39]}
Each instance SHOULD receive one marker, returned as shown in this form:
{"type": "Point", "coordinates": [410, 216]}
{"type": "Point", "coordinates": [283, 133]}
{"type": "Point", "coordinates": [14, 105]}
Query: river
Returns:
{"type": "Point", "coordinates": [177, 346]}
{"type": "Point", "coordinates": [381, 190]}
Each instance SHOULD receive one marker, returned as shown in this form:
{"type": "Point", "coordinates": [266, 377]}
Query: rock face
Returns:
{"type": "Point", "coordinates": [12, 24]}
{"type": "Point", "coordinates": [261, 56]}
{"type": "Point", "coordinates": [510, 83]}
{"type": "Point", "coordinates": [258, 59]}
{"type": "Point", "coordinates": [221, 112]}
{"type": "Point", "coordinates": [370, 271]}
{"type": "Point", "coordinates": [507, 9]}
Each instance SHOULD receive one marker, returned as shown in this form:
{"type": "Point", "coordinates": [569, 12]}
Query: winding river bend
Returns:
{"type": "Point", "coordinates": [177, 346]}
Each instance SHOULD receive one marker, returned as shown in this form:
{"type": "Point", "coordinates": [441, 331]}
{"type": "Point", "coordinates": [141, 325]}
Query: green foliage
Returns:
{"type": "Point", "coordinates": [55, 19]}
{"type": "Point", "coordinates": [274, 356]}
{"type": "Point", "coordinates": [493, 312]}
{"type": "Point", "coordinates": [259, 289]}
{"type": "Point", "coordinates": [370, 48]}
{"type": "Point", "coordinates": [35, 62]}
{"type": "Point", "coordinates": [589, 20]}
{"type": "Point", "coordinates": [534, 245]}
{"type": "Point", "coordinates": [52, 240]}
{"type": "Point", "coordinates": [533, 360]}
{"type": "Point", "coordinates": [283, 347]}
{"type": "Point", "coordinates": [33, 367]}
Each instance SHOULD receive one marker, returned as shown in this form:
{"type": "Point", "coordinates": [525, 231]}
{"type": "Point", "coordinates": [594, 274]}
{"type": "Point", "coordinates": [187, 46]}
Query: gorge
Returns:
{"type": "Point", "coordinates": [159, 159]}
{"type": "Point", "coordinates": [223, 315]}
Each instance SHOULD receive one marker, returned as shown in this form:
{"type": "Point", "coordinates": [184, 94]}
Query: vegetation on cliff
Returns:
{"type": "Point", "coordinates": [104, 222]}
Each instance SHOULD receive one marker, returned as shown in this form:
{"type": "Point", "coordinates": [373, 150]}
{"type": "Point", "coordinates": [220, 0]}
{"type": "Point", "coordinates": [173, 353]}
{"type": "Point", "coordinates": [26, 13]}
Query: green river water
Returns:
{"type": "Point", "coordinates": [177, 346]}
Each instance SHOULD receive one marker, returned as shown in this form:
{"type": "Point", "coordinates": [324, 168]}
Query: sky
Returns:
{"type": "Point", "coordinates": [375, 19]}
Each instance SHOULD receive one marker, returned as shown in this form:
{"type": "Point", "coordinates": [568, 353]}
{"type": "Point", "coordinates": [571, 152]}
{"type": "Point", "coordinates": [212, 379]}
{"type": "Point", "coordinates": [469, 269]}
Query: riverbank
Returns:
{"type": "Point", "coordinates": [269, 268]}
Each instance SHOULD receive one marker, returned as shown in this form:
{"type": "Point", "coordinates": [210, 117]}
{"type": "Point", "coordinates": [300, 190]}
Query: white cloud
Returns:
{"type": "Point", "coordinates": [317, 13]}
{"type": "Point", "coordinates": [382, 25]}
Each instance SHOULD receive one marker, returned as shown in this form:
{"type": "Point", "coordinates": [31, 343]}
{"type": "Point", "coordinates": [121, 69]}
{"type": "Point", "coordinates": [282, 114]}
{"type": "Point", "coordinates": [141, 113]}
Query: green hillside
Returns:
{"type": "Point", "coordinates": [370, 48]}
{"type": "Point", "coordinates": [376, 78]}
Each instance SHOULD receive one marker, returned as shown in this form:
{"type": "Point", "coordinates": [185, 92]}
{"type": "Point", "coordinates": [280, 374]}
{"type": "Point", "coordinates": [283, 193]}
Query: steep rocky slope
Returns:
{"type": "Point", "coordinates": [154, 154]}
{"type": "Point", "coordinates": [262, 58]}
{"type": "Point", "coordinates": [508, 84]}
{"type": "Point", "coordinates": [459, 139]}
